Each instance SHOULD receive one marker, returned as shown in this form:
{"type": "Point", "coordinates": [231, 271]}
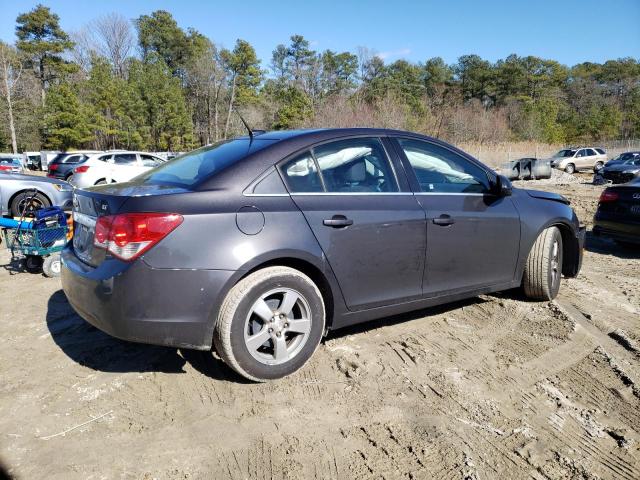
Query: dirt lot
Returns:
{"type": "Point", "coordinates": [493, 387]}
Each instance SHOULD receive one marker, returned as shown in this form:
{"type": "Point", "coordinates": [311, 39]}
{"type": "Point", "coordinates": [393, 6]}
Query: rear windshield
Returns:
{"type": "Point", "coordinates": [191, 168]}
{"type": "Point", "coordinates": [10, 161]}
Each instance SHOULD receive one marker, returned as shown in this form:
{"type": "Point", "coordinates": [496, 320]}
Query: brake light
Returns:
{"type": "Point", "coordinates": [53, 167]}
{"type": "Point", "coordinates": [608, 196]}
{"type": "Point", "coordinates": [81, 169]}
{"type": "Point", "coordinates": [129, 235]}
{"type": "Point", "coordinates": [5, 168]}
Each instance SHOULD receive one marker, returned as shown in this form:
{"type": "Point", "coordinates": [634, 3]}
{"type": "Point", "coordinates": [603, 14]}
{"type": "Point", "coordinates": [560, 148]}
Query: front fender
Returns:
{"type": "Point", "coordinates": [537, 214]}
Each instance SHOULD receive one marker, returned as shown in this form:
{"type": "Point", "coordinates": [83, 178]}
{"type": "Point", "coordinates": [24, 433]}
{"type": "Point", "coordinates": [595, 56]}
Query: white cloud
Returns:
{"type": "Point", "coordinates": [403, 52]}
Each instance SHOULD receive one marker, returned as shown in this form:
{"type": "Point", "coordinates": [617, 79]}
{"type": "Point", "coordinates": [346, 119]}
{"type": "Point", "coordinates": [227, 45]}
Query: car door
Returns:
{"type": "Point", "coordinates": [582, 158]}
{"type": "Point", "coordinates": [473, 235]}
{"type": "Point", "coordinates": [123, 167]}
{"type": "Point", "coordinates": [370, 227]}
{"type": "Point", "coordinates": [591, 158]}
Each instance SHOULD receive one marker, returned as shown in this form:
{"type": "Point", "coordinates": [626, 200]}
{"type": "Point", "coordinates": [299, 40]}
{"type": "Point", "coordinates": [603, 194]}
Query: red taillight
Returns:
{"type": "Point", "coordinates": [608, 196]}
{"type": "Point", "coordinates": [53, 167]}
{"type": "Point", "coordinates": [5, 168]}
{"type": "Point", "coordinates": [129, 235]}
{"type": "Point", "coordinates": [81, 169]}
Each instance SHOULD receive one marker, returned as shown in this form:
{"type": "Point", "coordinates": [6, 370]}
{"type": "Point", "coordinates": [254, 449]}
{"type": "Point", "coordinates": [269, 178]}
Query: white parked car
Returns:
{"type": "Point", "coordinates": [113, 167]}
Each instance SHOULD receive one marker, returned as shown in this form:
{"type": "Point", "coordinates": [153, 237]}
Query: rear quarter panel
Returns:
{"type": "Point", "coordinates": [210, 237]}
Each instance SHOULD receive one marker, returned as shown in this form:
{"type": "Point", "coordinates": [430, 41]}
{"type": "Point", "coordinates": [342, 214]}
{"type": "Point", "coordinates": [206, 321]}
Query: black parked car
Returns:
{"type": "Point", "coordinates": [624, 170]}
{"type": "Point", "coordinates": [62, 165]}
{"type": "Point", "coordinates": [618, 214]}
{"type": "Point", "coordinates": [260, 245]}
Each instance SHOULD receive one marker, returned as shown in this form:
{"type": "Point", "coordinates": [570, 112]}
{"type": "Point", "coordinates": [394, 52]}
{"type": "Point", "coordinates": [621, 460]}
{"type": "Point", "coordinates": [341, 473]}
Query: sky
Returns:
{"type": "Point", "coordinates": [570, 31]}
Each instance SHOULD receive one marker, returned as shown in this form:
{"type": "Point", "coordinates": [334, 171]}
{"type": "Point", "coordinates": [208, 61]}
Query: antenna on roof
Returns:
{"type": "Point", "coordinates": [246, 125]}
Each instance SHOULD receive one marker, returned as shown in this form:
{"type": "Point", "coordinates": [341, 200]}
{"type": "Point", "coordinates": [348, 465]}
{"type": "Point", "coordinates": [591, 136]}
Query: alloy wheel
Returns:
{"type": "Point", "coordinates": [277, 326]}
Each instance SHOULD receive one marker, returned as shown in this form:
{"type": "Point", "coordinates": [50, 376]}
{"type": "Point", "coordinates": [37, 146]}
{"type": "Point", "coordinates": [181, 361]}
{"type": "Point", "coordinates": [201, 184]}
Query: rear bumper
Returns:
{"type": "Point", "coordinates": [141, 304]}
{"type": "Point", "coordinates": [624, 231]}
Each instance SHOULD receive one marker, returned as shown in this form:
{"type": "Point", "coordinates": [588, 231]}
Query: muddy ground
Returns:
{"type": "Point", "coordinates": [492, 387]}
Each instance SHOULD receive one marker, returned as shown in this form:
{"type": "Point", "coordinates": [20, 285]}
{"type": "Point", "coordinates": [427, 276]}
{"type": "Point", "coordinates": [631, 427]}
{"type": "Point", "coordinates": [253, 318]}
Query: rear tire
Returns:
{"type": "Point", "coordinates": [51, 266]}
{"type": "Point", "coordinates": [570, 168]}
{"type": "Point", "coordinates": [101, 182]}
{"type": "Point", "coordinates": [282, 307]}
{"type": "Point", "coordinates": [543, 270]}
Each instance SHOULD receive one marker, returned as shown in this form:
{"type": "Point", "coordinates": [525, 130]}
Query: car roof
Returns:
{"type": "Point", "coordinates": [282, 144]}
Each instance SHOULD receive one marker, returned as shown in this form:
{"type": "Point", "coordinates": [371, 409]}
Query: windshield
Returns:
{"type": "Point", "coordinates": [564, 153]}
{"type": "Point", "coordinates": [191, 168]}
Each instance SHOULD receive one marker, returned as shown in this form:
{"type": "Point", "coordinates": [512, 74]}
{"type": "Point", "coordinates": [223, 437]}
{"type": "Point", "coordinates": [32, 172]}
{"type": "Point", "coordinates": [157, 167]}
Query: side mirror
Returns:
{"type": "Point", "coordinates": [502, 186]}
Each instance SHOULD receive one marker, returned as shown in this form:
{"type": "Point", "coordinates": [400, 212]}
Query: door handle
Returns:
{"type": "Point", "coordinates": [337, 221]}
{"type": "Point", "coordinates": [444, 220]}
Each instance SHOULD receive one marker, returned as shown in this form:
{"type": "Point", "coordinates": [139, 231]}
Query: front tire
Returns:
{"type": "Point", "coordinates": [24, 203]}
{"type": "Point", "coordinates": [570, 168]}
{"type": "Point", "coordinates": [270, 323]}
{"type": "Point", "coordinates": [597, 167]}
{"type": "Point", "coordinates": [543, 270]}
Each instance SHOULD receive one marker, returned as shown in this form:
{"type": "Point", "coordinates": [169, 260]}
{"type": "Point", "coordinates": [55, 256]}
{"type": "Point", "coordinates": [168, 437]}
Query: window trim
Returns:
{"type": "Point", "coordinates": [413, 179]}
{"type": "Point", "coordinates": [310, 148]}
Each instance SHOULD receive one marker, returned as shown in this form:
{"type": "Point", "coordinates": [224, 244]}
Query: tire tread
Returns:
{"type": "Point", "coordinates": [536, 272]}
{"type": "Point", "coordinates": [222, 332]}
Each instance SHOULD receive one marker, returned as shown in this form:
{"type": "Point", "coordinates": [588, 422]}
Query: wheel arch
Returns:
{"type": "Point", "coordinates": [311, 271]}
{"type": "Point", "coordinates": [570, 249]}
{"type": "Point", "coordinates": [27, 190]}
{"type": "Point", "coordinates": [570, 246]}
{"type": "Point", "coordinates": [317, 270]}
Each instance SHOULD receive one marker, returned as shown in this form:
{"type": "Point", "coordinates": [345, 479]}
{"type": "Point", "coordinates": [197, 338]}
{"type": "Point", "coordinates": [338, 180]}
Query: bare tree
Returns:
{"type": "Point", "coordinates": [206, 79]}
{"type": "Point", "coordinates": [11, 71]}
{"type": "Point", "coordinates": [84, 48]}
{"type": "Point", "coordinates": [115, 40]}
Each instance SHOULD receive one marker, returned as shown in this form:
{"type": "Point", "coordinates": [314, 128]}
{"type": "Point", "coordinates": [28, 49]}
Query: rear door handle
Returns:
{"type": "Point", "coordinates": [337, 221]}
{"type": "Point", "coordinates": [444, 220]}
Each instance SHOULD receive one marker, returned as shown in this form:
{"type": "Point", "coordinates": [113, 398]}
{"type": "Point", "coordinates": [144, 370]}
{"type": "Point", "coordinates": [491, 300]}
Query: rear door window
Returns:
{"type": "Point", "coordinates": [301, 174]}
{"type": "Point", "coordinates": [355, 165]}
{"type": "Point", "coordinates": [74, 159]}
{"type": "Point", "coordinates": [129, 159]}
{"type": "Point", "coordinates": [149, 160]}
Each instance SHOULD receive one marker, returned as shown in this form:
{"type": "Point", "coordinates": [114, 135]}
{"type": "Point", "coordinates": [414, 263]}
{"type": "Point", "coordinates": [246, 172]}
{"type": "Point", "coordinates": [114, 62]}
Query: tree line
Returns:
{"type": "Point", "coordinates": [150, 84]}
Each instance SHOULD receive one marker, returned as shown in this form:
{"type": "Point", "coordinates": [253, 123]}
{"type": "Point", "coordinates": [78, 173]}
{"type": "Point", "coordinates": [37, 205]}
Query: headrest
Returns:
{"type": "Point", "coordinates": [356, 173]}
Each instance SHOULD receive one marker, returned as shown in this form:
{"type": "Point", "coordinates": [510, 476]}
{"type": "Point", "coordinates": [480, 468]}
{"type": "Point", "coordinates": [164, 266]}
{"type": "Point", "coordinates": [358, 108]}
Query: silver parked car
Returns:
{"type": "Point", "coordinates": [16, 189]}
{"type": "Point", "coordinates": [572, 159]}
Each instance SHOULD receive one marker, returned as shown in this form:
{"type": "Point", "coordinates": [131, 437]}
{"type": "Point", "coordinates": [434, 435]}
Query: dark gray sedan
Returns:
{"type": "Point", "coordinates": [258, 246]}
{"type": "Point", "coordinates": [624, 170]}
